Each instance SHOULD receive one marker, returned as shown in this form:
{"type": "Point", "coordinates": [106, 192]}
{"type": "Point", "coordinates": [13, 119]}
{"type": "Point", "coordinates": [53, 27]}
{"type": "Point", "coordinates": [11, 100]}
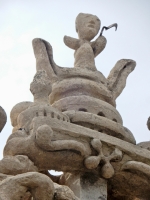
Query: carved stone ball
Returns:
{"type": "Point", "coordinates": [3, 118]}
{"type": "Point", "coordinates": [16, 110]}
{"type": "Point", "coordinates": [87, 26]}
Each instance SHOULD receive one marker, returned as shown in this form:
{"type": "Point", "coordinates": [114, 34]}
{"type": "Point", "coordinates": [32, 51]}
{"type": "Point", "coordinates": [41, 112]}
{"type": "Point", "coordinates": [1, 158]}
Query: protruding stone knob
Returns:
{"type": "Point", "coordinates": [3, 118]}
{"type": "Point", "coordinates": [148, 123]}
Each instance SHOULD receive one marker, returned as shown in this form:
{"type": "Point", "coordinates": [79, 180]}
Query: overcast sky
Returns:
{"type": "Point", "coordinates": [21, 21]}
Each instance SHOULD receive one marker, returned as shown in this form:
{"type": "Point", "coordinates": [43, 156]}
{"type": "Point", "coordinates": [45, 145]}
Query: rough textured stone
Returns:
{"type": "Point", "coordinates": [93, 187]}
{"type": "Point", "coordinates": [32, 185]}
{"type": "Point", "coordinates": [63, 193]}
{"type": "Point", "coordinates": [118, 75]}
{"type": "Point", "coordinates": [146, 144]}
{"type": "Point", "coordinates": [88, 104]}
{"type": "Point", "coordinates": [16, 187]}
{"type": "Point", "coordinates": [72, 126]}
{"type": "Point", "coordinates": [3, 118]}
{"type": "Point", "coordinates": [14, 165]}
{"type": "Point", "coordinates": [101, 124]}
{"type": "Point", "coordinates": [16, 110]}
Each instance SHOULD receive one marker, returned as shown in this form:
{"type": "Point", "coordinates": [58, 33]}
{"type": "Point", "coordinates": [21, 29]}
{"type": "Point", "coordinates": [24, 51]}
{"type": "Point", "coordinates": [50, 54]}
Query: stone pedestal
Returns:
{"type": "Point", "coordinates": [92, 187]}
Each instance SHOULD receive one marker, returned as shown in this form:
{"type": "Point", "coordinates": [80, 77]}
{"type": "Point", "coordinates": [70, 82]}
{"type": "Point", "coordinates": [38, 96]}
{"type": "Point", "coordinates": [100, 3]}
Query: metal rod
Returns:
{"type": "Point", "coordinates": [108, 27]}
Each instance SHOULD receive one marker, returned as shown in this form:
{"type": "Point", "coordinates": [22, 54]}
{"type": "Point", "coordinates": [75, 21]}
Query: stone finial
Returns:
{"type": "Point", "coordinates": [87, 27]}
{"type": "Point", "coordinates": [73, 126]}
{"type": "Point", "coordinates": [118, 75]}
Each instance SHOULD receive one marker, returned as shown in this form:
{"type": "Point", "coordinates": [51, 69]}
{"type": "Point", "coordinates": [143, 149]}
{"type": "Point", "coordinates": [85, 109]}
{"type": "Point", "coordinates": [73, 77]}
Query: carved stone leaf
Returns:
{"type": "Point", "coordinates": [118, 75]}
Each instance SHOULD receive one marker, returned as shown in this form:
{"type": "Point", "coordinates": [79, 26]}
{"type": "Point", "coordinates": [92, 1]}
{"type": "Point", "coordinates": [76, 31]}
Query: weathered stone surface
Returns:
{"type": "Point", "coordinates": [41, 143]}
{"type": "Point", "coordinates": [41, 87]}
{"type": "Point", "coordinates": [127, 185]}
{"type": "Point", "coordinates": [16, 187]}
{"type": "Point", "coordinates": [93, 187]}
{"type": "Point", "coordinates": [137, 167]}
{"type": "Point", "coordinates": [23, 113]}
{"type": "Point", "coordinates": [63, 193]}
{"type": "Point", "coordinates": [16, 110]}
{"type": "Point", "coordinates": [77, 86]}
{"type": "Point", "coordinates": [26, 145]}
{"type": "Point", "coordinates": [35, 185]}
{"type": "Point", "coordinates": [13, 165]}
{"type": "Point", "coordinates": [4, 176]}
{"type": "Point", "coordinates": [73, 86]}
{"type": "Point", "coordinates": [145, 145]}
{"type": "Point", "coordinates": [44, 140]}
{"type": "Point", "coordinates": [87, 26]}
{"type": "Point", "coordinates": [88, 104]}
{"type": "Point", "coordinates": [97, 76]}
{"type": "Point", "coordinates": [3, 118]}
{"type": "Point", "coordinates": [118, 75]}
{"type": "Point", "coordinates": [124, 185]}
{"type": "Point", "coordinates": [72, 125]}
{"type": "Point", "coordinates": [85, 186]}
{"type": "Point", "coordinates": [92, 162]}
{"type": "Point", "coordinates": [44, 58]}
{"type": "Point", "coordinates": [106, 89]}
{"type": "Point", "coordinates": [72, 181]}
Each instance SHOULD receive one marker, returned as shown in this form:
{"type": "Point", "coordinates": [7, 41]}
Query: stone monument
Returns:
{"type": "Point", "coordinates": [73, 126]}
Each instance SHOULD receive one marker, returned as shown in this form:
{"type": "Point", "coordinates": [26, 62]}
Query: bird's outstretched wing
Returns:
{"type": "Point", "coordinates": [72, 43]}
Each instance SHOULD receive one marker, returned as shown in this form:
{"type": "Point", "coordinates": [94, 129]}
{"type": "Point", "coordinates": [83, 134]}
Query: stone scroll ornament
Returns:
{"type": "Point", "coordinates": [73, 126]}
{"type": "Point", "coordinates": [92, 162]}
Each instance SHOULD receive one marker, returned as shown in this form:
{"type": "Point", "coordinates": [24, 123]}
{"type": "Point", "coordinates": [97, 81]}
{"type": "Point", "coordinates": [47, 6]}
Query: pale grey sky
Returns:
{"type": "Point", "coordinates": [21, 21]}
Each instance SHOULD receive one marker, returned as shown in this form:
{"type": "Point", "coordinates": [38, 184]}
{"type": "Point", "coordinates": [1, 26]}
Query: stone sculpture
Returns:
{"type": "Point", "coordinates": [73, 126]}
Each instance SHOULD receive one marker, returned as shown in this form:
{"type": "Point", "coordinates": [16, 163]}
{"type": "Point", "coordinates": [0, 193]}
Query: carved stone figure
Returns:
{"type": "Point", "coordinates": [73, 126]}
{"type": "Point", "coordinates": [87, 27]}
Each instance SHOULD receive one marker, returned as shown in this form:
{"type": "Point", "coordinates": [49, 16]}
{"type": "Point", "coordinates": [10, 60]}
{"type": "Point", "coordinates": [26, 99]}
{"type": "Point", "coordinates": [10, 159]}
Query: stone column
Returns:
{"type": "Point", "coordinates": [92, 187]}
